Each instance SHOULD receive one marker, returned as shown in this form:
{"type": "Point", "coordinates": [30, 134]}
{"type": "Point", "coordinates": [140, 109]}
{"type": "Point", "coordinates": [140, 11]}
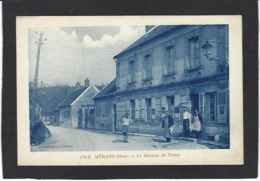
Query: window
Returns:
{"type": "Point", "coordinates": [102, 110]}
{"type": "Point", "coordinates": [67, 113]}
{"type": "Point", "coordinates": [170, 59]}
{"type": "Point", "coordinates": [148, 109]}
{"type": "Point", "coordinates": [148, 66]}
{"type": "Point", "coordinates": [222, 107]}
{"type": "Point", "coordinates": [132, 71]}
{"type": "Point", "coordinates": [132, 109]}
{"type": "Point", "coordinates": [210, 107]}
{"type": "Point", "coordinates": [194, 52]}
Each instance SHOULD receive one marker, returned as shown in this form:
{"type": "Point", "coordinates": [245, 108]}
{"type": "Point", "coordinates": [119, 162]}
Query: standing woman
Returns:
{"type": "Point", "coordinates": [196, 125]}
{"type": "Point", "coordinates": [167, 123]}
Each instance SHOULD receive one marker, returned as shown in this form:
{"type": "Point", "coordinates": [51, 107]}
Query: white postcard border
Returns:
{"type": "Point", "coordinates": [231, 156]}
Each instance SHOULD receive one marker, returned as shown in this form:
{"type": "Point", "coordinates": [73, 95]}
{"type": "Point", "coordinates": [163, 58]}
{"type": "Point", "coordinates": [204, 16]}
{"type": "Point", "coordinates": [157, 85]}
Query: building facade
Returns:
{"type": "Point", "coordinates": [105, 107]}
{"type": "Point", "coordinates": [80, 101]}
{"type": "Point", "coordinates": [165, 69]}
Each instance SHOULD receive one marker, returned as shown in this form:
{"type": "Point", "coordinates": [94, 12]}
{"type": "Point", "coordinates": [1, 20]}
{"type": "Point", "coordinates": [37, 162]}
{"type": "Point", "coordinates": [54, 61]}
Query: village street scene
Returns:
{"type": "Point", "coordinates": [111, 88]}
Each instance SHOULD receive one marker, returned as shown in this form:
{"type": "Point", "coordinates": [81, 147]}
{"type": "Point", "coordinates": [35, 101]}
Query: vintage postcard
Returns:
{"type": "Point", "coordinates": [129, 90]}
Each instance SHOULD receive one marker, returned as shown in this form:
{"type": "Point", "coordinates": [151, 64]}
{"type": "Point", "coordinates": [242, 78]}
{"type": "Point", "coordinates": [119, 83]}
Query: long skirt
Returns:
{"type": "Point", "coordinates": [166, 133]}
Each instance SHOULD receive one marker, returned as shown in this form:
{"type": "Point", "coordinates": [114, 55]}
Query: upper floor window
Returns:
{"type": "Point", "coordinates": [132, 71]}
{"type": "Point", "coordinates": [148, 66]}
{"type": "Point", "coordinates": [194, 52]}
{"type": "Point", "coordinates": [170, 59]}
{"type": "Point", "coordinates": [102, 110]}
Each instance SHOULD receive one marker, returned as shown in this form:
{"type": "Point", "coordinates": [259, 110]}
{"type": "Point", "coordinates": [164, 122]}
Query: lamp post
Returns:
{"type": "Point", "coordinates": [207, 51]}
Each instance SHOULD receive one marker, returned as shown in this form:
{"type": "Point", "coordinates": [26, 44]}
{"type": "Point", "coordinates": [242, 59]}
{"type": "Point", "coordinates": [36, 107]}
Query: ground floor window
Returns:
{"type": "Point", "coordinates": [210, 106]}
{"type": "Point", "coordinates": [132, 109]}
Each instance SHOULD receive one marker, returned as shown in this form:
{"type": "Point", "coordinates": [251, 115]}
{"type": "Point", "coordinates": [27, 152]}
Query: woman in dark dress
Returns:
{"type": "Point", "coordinates": [167, 123]}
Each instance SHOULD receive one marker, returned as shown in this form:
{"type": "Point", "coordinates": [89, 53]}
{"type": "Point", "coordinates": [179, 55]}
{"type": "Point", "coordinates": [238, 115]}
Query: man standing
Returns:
{"type": "Point", "coordinates": [186, 122]}
{"type": "Point", "coordinates": [126, 122]}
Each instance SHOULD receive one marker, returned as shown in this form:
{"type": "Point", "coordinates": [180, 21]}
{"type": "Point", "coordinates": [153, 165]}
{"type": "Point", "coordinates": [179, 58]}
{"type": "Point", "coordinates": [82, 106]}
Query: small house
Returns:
{"type": "Point", "coordinates": [78, 104]}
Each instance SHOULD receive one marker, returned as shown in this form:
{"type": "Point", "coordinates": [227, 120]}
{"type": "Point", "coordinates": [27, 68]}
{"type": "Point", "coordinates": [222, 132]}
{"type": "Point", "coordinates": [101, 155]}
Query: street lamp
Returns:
{"type": "Point", "coordinates": [207, 50]}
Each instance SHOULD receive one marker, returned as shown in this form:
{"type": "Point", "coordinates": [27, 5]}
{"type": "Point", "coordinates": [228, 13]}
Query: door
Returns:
{"type": "Point", "coordinates": [170, 103]}
{"type": "Point", "coordinates": [132, 109]}
{"type": "Point", "coordinates": [86, 117]}
{"type": "Point", "coordinates": [149, 109]}
{"type": "Point", "coordinates": [194, 102]}
{"type": "Point", "coordinates": [115, 117]}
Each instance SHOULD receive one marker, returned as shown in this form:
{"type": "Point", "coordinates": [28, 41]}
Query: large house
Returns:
{"type": "Point", "coordinates": [166, 70]}
{"type": "Point", "coordinates": [80, 101]}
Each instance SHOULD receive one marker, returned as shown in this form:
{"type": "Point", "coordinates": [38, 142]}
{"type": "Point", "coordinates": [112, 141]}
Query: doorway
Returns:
{"type": "Point", "coordinates": [149, 108]}
{"type": "Point", "coordinates": [115, 118]}
{"type": "Point", "coordinates": [170, 103]}
{"type": "Point", "coordinates": [132, 111]}
{"type": "Point", "coordinates": [194, 102]}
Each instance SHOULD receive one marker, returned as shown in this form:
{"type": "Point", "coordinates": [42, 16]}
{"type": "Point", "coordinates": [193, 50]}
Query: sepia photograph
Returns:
{"type": "Point", "coordinates": [123, 87]}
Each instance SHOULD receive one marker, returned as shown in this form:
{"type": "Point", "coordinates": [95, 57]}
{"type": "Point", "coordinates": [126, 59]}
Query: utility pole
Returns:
{"type": "Point", "coordinates": [39, 43]}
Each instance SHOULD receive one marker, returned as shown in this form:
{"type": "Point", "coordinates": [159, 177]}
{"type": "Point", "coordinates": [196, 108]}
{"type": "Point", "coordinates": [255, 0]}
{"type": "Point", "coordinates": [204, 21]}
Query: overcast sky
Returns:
{"type": "Point", "coordinates": [72, 54]}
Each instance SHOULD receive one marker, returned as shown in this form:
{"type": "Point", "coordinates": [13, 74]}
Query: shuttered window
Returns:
{"type": "Point", "coordinates": [222, 107]}
{"type": "Point", "coordinates": [148, 66]}
{"type": "Point", "coordinates": [194, 52]}
{"type": "Point", "coordinates": [169, 59]}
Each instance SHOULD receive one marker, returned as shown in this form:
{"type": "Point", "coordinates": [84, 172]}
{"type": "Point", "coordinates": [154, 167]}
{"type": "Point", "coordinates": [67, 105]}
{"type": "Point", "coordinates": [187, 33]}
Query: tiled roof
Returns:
{"type": "Point", "coordinates": [153, 33]}
{"type": "Point", "coordinates": [108, 90]}
{"type": "Point", "coordinates": [72, 97]}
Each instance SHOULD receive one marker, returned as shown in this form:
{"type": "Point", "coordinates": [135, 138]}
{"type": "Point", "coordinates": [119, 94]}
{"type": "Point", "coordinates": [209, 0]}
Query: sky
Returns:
{"type": "Point", "coordinates": [72, 54]}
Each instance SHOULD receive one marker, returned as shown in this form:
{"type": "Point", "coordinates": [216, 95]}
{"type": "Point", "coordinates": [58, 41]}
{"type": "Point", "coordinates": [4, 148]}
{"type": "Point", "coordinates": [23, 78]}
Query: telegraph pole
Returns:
{"type": "Point", "coordinates": [39, 43]}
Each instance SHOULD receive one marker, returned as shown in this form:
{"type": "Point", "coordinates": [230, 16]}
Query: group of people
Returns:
{"type": "Point", "coordinates": [190, 126]}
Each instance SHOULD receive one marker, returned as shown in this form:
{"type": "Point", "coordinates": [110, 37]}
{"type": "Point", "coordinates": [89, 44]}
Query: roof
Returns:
{"type": "Point", "coordinates": [153, 33]}
{"type": "Point", "coordinates": [72, 97]}
{"type": "Point", "coordinates": [108, 90]}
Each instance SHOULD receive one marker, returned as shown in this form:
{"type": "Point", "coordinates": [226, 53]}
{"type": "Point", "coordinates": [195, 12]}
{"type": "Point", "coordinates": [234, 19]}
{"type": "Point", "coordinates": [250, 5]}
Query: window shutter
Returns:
{"type": "Point", "coordinates": [137, 108]}
{"type": "Point", "coordinates": [201, 104]}
{"type": "Point", "coordinates": [222, 107]}
{"type": "Point", "coordinates": [206, 108]}
{"type": "Point", "coordinates": [144, 68]}
{"type": "Point", "coordinates": [189, 54]}
{"type": "Point", "coordinates": [144, 116]}
{"type": "Point", "coordinates": [135, 70]}
{"type": "Point", "coordinates": [164, 66]}
{"type": "Point", "coordinates": [173, 58]}
{"type": "Point", "coordinates": [129, 73]}
{"type": "Point", "coordinates": [153, 101]}
{"type": "Point", "coordinates": [128, 106]}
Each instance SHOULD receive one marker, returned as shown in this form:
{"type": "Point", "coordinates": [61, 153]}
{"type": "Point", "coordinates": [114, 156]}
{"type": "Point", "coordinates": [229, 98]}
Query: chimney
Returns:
{"type": "Point", "coordinates": [87, 82]}
{"type": "Point", "coordinates": [78, 85]}
{"type": "Point", "coordinates": [148, 28]}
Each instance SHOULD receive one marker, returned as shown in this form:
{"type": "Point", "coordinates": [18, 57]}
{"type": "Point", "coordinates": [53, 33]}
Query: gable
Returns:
{"type": "Point", "coordinates": [86, 97]}
{"type": "Point", "coordinates": [72, 97]}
